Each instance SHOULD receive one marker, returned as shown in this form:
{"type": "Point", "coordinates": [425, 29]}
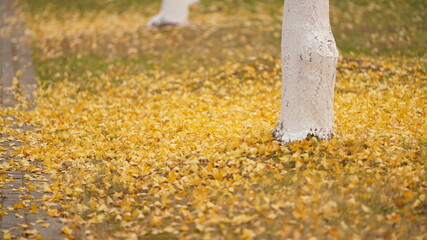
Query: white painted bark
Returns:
{"type": "Point", "coordinates": [172, 12]}
{"type": "Point", "coordinates": [309, 59]}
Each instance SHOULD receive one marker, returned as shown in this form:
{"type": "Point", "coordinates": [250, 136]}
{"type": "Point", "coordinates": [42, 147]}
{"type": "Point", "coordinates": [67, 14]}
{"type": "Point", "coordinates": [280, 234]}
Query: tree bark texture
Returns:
{"type": "Point", "coordinates": [309, 59]}
{"type": "Point", "coordinates": [172, 13]}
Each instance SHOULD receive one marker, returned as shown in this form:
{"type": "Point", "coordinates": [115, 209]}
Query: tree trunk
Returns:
{"type": "Point", "coordinates": [309, 59]}
{"type": "Point", "coordinates": [172, 13]}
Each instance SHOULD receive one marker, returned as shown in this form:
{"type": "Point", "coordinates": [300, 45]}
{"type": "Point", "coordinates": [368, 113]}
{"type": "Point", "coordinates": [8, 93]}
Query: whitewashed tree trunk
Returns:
{"type": "Point", "coordinates": [309, 59]}
{"type": "Point", "coordinates": [172, 12]}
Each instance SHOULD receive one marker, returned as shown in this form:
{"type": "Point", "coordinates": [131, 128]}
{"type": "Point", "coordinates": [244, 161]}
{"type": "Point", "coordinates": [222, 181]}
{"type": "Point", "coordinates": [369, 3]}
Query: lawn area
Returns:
{"type": "Point", "coordinates": [166, 133]}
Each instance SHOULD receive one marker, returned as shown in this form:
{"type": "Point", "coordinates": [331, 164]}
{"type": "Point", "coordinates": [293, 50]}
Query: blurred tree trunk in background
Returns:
{"type": "Point", "coordinates": [172, 12]}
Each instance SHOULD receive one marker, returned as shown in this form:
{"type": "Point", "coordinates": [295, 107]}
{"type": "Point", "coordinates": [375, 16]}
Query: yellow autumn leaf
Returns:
{"type": "Point", "coordinates": [66, 230]}
{"type": "Point", "coordinates": [19, 205]}
{"type": "Point", "coordinates": [248, 234]}
{"type": "Point", "coordinates": [156, 221]}
{"type": "Point", "coordinates": [33, 208]}
{"type": "Point", "coordinates": [45, 225]}
{"type": "Point", "coordinates": [53, 212]}
{"type": "Point", "coordinates": [7, 235]}
{"type": "Point", "coordinates": [242, 219]}
{"type": "Point", "coordinates": [409, 195]}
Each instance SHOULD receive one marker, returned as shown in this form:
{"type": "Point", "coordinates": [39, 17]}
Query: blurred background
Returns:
{"type": "Point", "coordinates": [98, 35]}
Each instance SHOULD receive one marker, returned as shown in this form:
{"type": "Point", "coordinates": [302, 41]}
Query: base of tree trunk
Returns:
{"type": "Point", "coordinates": [163, 25]}
{"type": "Point", "coordinates": [284, 137]}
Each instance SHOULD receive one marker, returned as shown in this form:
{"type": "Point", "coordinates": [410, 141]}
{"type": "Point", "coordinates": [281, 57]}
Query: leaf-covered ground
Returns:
{"type": "Point", "coordinates": [166, 134]}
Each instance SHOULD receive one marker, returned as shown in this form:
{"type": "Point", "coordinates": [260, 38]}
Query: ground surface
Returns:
{"type": "Point", "coordinates": [22, 209]}
{"type": "Point", "coordinates": [162, 134]}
